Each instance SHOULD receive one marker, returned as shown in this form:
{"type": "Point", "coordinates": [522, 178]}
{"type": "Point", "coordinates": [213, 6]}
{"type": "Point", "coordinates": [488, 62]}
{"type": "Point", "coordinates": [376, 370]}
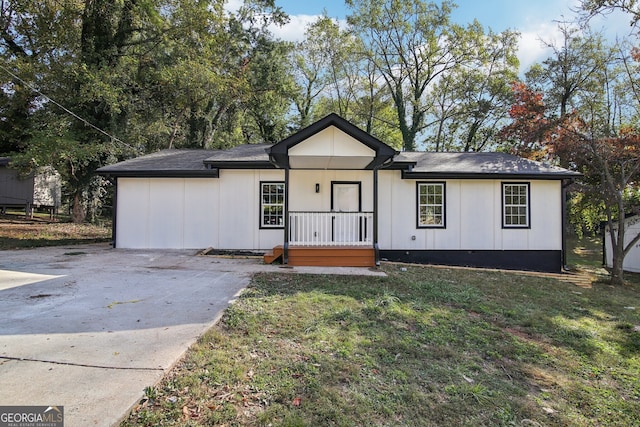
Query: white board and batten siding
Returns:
{"type": "Point", "coordinates": [330, 148]}
{"type": "Point", "coordinates": [473, 216]}
{"type": "Point", "coordinates": [195, 213]}
{"type": "Point", "coordinates": [302, 184]}
{"type": "Point", "coordinates": [224, 212]}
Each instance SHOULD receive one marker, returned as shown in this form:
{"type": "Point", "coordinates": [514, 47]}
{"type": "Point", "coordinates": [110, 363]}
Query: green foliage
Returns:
{"type": "Point", "coordinates": [139, 76]}
{"type": "Point", "coordinates": [581, 111]}
{"type": "Point", "coordinates": [155, 74]}
{"type": "Point", "coordinates": [586, 214]}
{"type": "Point", "coordinates": [449, 83]}
{"type": "Point", "coordinates": [572, 76]}
{"type": "Point", "coordinates": [472, 101]}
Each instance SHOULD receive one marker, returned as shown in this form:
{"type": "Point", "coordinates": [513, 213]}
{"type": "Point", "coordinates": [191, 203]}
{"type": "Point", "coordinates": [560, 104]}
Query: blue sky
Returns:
{"type": "Point", "coordinates": [534, 19]}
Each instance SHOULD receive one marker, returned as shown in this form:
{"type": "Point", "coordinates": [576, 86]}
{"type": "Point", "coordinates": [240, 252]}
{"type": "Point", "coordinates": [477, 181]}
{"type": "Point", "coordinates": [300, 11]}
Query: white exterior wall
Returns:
{"type": "Point", "coordinates": [224, 212]}
{"type": "Point", "coordinates": [194, 213]}
{"type": "Point", "coordinates": [329, 149]}
{"type": "Point", "coordinates": [302, 187]}
{"type": "Point", "coordinates": [632, 259]}
{"type": "Point", "coordinates": [473, 216]}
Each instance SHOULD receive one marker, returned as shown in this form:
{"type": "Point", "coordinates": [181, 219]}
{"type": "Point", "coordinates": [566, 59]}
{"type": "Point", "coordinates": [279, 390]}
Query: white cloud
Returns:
{"type": "Point", "coordinates": [533, 48]}
{"type": "Point", "coordinates": [233, 5]}
{"type": "Point", "coordinates": [616, 25]}
{"type": "Point", "coordinates": [294, 30]}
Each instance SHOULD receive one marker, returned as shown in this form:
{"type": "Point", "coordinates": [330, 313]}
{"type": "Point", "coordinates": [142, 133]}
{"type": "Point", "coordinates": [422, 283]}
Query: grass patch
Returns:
{"type": "Point", "coordinates": [18, 232]}
{"type": "Point", "coordinates": [425, 346]}
{"type": "Point", "coordinates": [585, 253]}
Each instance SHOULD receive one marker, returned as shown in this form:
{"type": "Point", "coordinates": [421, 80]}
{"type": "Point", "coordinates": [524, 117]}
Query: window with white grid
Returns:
{"type": "Point", "coordinates": [431, 204]}
{"type": "Point", "coordinates": [515, 205]}
{"type": "Point", "coordinates": [272, 204]}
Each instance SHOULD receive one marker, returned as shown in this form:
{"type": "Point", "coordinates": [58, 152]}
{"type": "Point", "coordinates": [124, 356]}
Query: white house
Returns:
{"type": "Point", "coordinates": [332, 194]}
{"type": "Point", "coordinates": [632, 259]}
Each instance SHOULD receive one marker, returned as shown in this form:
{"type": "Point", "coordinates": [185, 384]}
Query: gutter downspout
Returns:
{"type": "Point", "coordinates": [376, 248]}
{"type": "Point", "coordinates": [114, 211]}
{"type": "Point", "coordinates": [565, 184]}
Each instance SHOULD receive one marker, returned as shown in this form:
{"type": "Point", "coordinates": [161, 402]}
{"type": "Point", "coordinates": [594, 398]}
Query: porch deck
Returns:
{"type": "Point", "coordinates": [324, 256]}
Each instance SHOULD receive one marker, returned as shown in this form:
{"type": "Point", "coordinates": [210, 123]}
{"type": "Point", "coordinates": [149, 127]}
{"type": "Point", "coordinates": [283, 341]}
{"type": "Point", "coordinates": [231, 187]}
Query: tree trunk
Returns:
{"type": "Point", "coordinates": [617, 273]}
{"type": "Point", "coordinates": [78, 212]}
{"type": "Point", "coordinates": [617, 246]}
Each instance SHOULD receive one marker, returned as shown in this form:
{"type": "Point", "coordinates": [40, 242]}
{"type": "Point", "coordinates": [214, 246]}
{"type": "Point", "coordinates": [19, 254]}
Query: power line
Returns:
{"type": "Point", "coordinates": [65, 109]}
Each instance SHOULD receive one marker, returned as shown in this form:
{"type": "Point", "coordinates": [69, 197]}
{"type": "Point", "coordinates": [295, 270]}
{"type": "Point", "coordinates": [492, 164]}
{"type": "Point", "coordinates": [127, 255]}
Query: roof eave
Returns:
{"type": "Point", "coordinates": [208, 173]}
{"type": "Point", "coordinates": [479, 175]}
{"type": "Point", "coordinates": [240, 164]}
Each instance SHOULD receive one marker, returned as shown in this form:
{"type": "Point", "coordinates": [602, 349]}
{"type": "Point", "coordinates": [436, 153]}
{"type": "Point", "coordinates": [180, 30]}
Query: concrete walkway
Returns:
{"type": "Point", "coordinates": [89, 327]}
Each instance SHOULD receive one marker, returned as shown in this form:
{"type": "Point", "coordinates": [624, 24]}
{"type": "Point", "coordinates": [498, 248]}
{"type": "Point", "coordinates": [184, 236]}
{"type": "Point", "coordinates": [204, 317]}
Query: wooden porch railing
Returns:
{"type": "Point", "coordinates": [331, 228]}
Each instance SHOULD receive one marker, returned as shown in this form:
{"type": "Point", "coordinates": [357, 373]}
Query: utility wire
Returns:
{"type": "Point", "coordinates": [86, 122]}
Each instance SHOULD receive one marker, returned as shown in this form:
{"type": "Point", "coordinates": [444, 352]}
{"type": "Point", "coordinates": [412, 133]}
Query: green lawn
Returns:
{"type": "Point", "coordinates": [585, 253]}
{"type": "Point", "coordinates": [421, 347]}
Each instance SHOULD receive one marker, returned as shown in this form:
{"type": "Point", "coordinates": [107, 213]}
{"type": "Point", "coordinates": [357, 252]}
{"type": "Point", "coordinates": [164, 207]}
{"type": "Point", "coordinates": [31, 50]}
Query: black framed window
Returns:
{"type": "Point", "coordinates": [431, 204]}
{"type": "Point", "coordinates": [272, 204]}
{"type": "Point", "coordinates": [516, 209]}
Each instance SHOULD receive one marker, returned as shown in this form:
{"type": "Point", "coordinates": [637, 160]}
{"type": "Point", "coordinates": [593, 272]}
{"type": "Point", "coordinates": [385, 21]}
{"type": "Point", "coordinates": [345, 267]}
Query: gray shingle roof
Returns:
{"type": "Point", "coordinates": [240, 153]}
{"type": "Point", "coordinates": [478, 164]}
{"type": "Point", "coordinates": [414, 164]}
{"type": "Point", "coordinates": [163, 163]}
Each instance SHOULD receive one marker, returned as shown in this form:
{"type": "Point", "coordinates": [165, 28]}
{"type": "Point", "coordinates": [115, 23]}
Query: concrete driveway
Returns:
{"type": "Point", "coordinates": [89, 327]}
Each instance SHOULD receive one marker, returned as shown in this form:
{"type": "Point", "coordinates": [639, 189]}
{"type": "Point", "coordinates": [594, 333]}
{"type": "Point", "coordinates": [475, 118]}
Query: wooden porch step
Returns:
{"type": "Point", "coordinates": [332, 256]}
{"type": "Point", "coordinates": [275, 254]}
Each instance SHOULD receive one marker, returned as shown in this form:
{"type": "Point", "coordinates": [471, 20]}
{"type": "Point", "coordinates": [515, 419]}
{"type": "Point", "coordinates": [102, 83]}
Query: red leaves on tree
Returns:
{"type": "Point", "coordinates": [568, 138]}
{"type": "Point", "coordinates": [530, 124]}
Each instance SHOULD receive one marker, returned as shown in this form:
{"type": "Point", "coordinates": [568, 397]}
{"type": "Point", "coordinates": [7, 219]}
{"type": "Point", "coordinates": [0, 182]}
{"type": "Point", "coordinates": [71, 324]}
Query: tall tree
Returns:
{"type": "Point", "coordinates": [472, 101]}
{"type": "Point", "coordinates": [33, 36]}
{"type": "Point", "coordinates": [211, 66]}
{"type": "Point", "coordinates": [270, 90]}
{"type": "Point", "coordinates": [573, 68]}
{"type": "Point", "coordinates": [113, 36]}
{"type": "Point", "coordinates": [134, 76]}
{"type": "Point", "coordinates": [414, 47]}
{"type": "Point", "coordinates": [411, 43]}
{"type": "Point", "coordinates": [320, 62]}
{"type": "Point", "coordinates": [600, 137]}
{"type": "Point", "coordinates": [308, 63]}
{"type": "Point", "coordinates": [334, 75]}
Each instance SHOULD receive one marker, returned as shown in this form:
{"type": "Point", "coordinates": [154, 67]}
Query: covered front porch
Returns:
{"type": "Point", "coordinates": [330, 195]}
{"type": "Point", "coordinates": [328, 239]}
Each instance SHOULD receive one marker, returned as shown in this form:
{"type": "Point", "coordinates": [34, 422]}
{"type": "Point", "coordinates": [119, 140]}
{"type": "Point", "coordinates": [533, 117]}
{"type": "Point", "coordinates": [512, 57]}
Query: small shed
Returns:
{"type": "Point", "coordinates": [632, 259]}
{"type": "Point", "coordinates": [41, 189]}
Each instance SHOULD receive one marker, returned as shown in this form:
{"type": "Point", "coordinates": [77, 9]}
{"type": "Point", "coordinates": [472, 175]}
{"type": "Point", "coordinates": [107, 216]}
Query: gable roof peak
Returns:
{"type": "Point", "coordinates": [279, 153]}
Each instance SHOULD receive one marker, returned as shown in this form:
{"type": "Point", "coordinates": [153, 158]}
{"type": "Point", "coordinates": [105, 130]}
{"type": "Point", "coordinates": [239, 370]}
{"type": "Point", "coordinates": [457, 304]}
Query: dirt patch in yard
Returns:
{"type": "Point", "coordinates": [20, 232]}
